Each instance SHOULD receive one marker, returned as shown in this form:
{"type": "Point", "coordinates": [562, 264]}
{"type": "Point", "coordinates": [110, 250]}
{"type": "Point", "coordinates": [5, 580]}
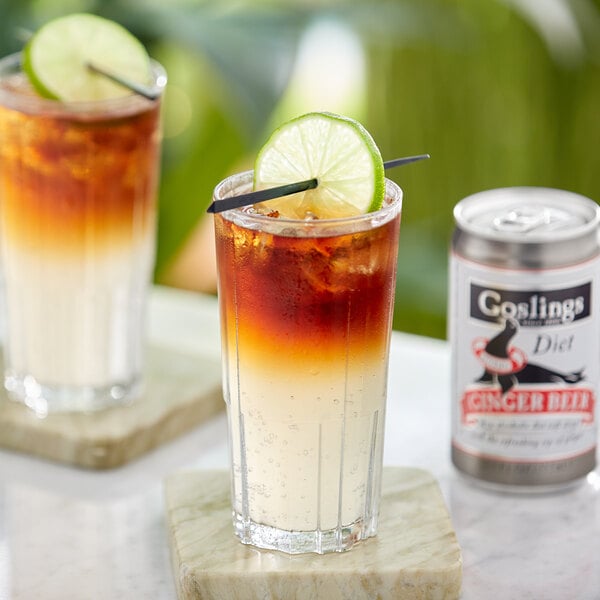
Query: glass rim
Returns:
{"type": "Point", "coordinates": [12, 64]}
{"type": "Point", "coordinates": [241, 181]}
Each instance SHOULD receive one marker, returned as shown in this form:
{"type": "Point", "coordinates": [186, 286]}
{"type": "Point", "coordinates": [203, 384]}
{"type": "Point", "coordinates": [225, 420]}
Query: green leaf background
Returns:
{"type": "Point", "coordinates": [499, 92]}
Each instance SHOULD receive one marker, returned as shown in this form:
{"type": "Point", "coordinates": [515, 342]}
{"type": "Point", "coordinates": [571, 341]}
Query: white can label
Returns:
{"type": "Point", "coordinates": [526, 360]}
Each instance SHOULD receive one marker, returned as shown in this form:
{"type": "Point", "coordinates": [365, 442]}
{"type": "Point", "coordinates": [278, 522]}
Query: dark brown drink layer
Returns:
{"type": "Point", "coordinates": [71, 180]}
{"type": "Point", "coordinates": [308, 296]}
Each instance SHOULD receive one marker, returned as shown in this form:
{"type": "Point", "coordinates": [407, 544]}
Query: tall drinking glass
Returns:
{"type": "Point", "coordinates": [78, 187]}
{"type": "Point", "coordinates": [306, 315]}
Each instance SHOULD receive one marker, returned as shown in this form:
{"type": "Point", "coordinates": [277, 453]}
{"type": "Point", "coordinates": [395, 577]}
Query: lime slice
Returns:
{"type": "Point", "coordinates": [56, 58]}
{"type": "Point", "coordinates": [339, 152]}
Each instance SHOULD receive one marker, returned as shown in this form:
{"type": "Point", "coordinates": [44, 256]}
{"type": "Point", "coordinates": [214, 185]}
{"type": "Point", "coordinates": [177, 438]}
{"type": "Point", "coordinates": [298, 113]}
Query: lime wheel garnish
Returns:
{"type": "Point", "coordinates": [337, 151]}
{"type": "Point", "coordinates": [57, 57]}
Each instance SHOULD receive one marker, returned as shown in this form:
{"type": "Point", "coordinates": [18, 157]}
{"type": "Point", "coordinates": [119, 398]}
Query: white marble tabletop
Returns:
{"type": "Point", "coordinates": [69, 533]}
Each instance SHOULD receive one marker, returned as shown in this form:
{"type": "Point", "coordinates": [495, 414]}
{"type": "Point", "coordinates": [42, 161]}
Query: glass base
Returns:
{"type": "Point", "coordinates": [46, 399]}
{"type": "Point", "coordinates": [300, 542]}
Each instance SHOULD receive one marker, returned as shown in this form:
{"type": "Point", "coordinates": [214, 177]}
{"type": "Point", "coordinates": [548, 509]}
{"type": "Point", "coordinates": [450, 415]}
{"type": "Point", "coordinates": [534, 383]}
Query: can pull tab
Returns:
{"type": "Point", "coordinates": [524, 220]}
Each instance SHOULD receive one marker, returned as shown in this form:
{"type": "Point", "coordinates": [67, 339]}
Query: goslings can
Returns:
{"type": "Point", "coordinates": [525, 332]}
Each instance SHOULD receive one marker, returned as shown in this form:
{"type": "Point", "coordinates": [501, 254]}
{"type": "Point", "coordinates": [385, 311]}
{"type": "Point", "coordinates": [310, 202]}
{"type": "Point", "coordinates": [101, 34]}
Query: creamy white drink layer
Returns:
{"type": "Point", "coordinates": [297, 446]}
{"type": "Point", "coordinates": [70, 318]}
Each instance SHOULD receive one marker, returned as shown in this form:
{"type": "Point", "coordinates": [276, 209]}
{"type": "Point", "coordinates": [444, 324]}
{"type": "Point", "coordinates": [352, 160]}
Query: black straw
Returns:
{"type": "Point", "coordinates": [143, 90]}
{"type": "Point", "coordinates": [398, 162]}
{"type": "Point", "coordinates": [291, 188]}
{"type": "Point", "coordinates": [261, 195]}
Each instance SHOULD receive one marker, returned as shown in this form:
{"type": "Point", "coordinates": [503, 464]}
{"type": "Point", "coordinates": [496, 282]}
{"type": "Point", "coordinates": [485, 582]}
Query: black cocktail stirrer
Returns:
{"type": "Point", "coordinates": [291, 188]}
{"type": "Point", "coordinates": [142, 90]}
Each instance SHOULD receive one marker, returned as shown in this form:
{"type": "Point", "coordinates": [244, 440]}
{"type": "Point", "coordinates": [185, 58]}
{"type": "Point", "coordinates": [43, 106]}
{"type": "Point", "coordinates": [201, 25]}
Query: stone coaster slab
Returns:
{"type": "Point", "coordinates": [181, 391]}
{"type": "Point", "coordinates": [415, 556]}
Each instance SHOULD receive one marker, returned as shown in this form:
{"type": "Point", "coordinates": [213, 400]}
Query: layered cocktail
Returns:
{"type": "Point", "coordinates": [77, 227]}
{"type": "Point", "coordinates": [306, 312]}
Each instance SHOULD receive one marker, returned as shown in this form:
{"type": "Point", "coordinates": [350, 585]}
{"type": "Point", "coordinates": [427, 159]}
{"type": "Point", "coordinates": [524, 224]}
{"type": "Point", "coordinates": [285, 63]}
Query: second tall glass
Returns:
{"type": "Point", "coordinates": [77, 232]}
{"type": "Point", "coordinates": [306, 317]}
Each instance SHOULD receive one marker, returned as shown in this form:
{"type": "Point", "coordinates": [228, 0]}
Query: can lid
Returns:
{"type": "Point", "coordinates": [527, 215]}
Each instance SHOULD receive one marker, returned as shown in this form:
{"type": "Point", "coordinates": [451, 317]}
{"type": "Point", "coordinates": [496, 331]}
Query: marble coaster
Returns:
{"type": "Point", "coordinates": [181, 391]}
{"type": "Point", "coordinates": [415, 556]}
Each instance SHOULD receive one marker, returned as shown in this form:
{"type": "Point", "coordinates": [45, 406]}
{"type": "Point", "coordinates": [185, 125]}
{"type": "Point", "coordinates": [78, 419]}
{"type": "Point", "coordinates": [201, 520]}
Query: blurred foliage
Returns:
{"type": "Point", "coordinates": [499, 92]}
{"type": "Point", "coordinates": [512, 99]}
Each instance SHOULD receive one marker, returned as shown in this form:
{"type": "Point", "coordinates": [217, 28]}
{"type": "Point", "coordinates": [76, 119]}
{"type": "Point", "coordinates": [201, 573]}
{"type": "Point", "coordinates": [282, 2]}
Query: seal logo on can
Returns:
{"type": "Point", "coordinates": [525, 333]}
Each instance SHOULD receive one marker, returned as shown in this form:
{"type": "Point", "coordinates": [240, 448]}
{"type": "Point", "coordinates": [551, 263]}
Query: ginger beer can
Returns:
{"type": "Point", "coordinates": [524, 326]}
